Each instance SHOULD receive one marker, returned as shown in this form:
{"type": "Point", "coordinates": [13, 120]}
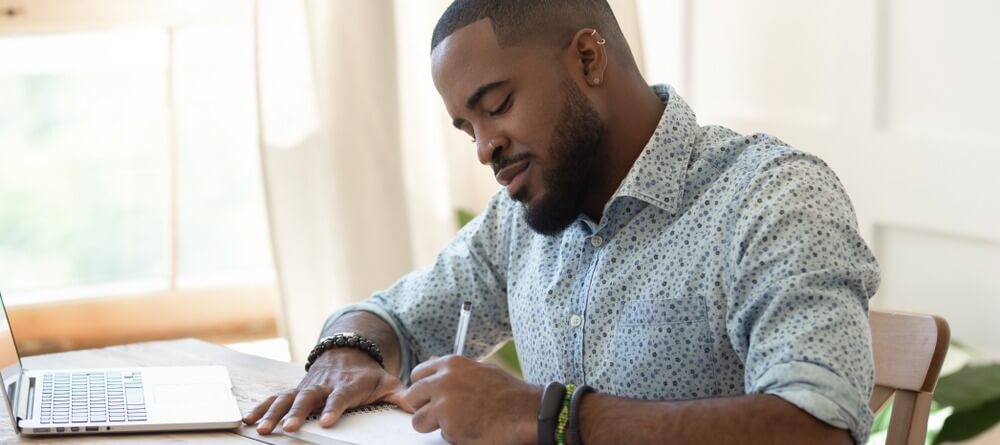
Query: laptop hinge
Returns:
{"type": "Point", "coordinates": [12, 392]}
{"type": "Point", "coordinates": [22, 395]}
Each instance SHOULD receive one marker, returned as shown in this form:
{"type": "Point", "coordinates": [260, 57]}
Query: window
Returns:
{"type": "Point", "coordinates": [85, 137]}
{"type": "Point", "coordinates": [129, 167]}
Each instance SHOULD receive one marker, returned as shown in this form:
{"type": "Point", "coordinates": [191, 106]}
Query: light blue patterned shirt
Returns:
{"type": "Point", "coordinates": [723, 265]}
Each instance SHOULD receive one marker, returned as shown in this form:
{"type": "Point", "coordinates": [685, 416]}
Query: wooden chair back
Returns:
{"type": "Point", "coordinates": [908, 350]}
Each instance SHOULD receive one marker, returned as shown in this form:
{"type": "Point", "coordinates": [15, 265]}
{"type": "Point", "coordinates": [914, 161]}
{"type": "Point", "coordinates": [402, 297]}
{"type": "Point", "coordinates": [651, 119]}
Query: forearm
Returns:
{"type": "Point", "coordinates": [735, 420]}
{"type": "Point", "coordinates": [372, 327]}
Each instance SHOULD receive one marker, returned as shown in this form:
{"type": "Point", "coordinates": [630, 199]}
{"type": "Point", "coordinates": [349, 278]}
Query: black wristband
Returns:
{"type": "Point", "coordinates": [574, 413]}
{"type": "Point", "coordinates": [345, 340]}
{"type": "Point", "coordinates": [548, 412]}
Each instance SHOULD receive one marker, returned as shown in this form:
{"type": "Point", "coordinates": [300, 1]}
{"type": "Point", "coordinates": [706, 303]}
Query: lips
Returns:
{"type": "Point", "coordinates": [506, 175]}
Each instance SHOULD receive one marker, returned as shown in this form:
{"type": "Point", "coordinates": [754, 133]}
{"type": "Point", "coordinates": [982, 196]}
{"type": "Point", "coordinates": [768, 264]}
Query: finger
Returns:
{"type": "Point", "coordinates": [275, 412]}
{"type": "Point", "coordinates": [337, 402]}
{"type": "Point", "coordinates": [444, 435]}
{"type": "Point", "coordinates": [425, 419]}
{"type": "Point", "coordinates": [396, 396]}
{"type": "Point", "coordinates": [425, 369]}
{"type": "Point", "coordinates": [307, 401]}
{"type": "Point", "coordinates": [391, 390]}
{"type": "Point", "coordinates": [419, 393]}
{"type": "Point", "coordinates": [258, 410]}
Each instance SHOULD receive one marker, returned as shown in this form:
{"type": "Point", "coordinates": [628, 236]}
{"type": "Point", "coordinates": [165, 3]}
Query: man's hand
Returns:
{"type": "Point", "coordinates": [472, 402]}
{"type": "Point", "coordinates": [339, 380]}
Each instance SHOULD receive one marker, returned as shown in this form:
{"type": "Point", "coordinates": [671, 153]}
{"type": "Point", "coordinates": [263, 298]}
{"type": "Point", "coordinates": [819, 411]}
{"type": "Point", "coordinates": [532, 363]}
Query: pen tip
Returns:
{"type": "Point", "coordinates": [467, 305]}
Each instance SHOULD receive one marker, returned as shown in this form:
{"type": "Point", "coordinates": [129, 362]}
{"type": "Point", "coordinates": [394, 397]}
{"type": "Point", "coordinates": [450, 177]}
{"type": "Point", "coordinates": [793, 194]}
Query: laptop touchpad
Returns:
{"type": "Point", "coordinates": [189, 392]}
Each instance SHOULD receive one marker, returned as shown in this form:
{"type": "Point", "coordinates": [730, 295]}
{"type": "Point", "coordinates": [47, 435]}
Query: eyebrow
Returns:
{"type": "Point", "coordinates": [475, 98]}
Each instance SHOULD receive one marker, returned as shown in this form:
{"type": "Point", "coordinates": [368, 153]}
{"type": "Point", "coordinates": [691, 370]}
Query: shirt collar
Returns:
{"type": "Point", "coordinates": [657, 175]}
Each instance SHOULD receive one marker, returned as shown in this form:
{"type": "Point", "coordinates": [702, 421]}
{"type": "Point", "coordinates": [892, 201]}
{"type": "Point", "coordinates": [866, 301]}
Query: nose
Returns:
{"type": "Point", "coordinates": [487, 149]}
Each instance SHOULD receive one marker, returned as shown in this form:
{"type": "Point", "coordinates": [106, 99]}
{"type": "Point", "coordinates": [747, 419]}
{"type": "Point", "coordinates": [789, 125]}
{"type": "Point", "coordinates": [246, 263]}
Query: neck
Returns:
{"type": "Point", "coordinates": [633, 112]}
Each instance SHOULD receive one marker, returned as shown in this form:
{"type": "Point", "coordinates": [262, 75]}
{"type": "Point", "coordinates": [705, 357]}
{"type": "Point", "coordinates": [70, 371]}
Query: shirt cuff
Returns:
{"type": "Point", "coordinates": [820, 392]}
{"type": "Point", "coordinates": [406, 356]}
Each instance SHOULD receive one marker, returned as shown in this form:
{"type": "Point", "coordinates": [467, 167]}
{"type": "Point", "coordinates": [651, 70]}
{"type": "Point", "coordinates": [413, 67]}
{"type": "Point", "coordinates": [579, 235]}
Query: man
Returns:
{"type": "Point", "coordinates": [711, 287]}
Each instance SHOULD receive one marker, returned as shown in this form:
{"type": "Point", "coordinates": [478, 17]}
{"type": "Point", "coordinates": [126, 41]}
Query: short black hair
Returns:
{"type": "Point", "coordinates": [552, 22]}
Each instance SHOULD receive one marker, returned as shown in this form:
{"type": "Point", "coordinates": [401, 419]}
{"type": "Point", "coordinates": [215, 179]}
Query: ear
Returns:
{"type": "Point", "coordinates": [590, 57]}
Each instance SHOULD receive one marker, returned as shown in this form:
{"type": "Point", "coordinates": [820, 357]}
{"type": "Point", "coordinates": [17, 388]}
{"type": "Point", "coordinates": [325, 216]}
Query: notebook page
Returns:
{"type": "Point", "coordinates": [378, 424]}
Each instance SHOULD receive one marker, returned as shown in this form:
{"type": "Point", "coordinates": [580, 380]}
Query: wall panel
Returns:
{"type": "Point", "coordinates": [769, 59]}
{"type": "Point", "coordinates": [943, 61]}
{"type": "Point", "coordinates": [941, 273]}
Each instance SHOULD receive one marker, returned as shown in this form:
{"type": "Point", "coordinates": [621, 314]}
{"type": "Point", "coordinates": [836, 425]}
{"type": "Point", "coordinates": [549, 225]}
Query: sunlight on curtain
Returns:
{"type": "Point", "coordinates": [423, 125]}
{"type": "Point", "coordinates": [332, 156]}
{"type": "Point", "coordinates": [290, 93]}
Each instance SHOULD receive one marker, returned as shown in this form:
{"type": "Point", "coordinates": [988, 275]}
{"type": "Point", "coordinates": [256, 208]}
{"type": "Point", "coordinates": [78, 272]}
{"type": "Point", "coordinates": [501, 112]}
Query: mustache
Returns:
{"type": "Point", "coordinates": [502, 163]}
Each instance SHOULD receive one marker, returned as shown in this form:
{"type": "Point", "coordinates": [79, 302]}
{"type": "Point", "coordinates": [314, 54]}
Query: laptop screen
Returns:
{"type": "Point", "coordinates": [10, 361]}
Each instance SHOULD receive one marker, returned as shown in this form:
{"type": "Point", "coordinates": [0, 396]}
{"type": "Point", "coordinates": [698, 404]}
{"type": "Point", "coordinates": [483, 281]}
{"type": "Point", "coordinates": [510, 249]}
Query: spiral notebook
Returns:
{"type": "Point", "coordinates": [378, 424]}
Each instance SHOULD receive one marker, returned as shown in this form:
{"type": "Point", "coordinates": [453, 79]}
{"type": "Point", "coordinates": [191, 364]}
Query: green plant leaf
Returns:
{"type": "Point", "coordinates": [508, 355]}
{"type": "Point", "coordinates": [963, 425]}
{"type": "Point", "coordinates": [969, 387]}
{"type": "Point", "coordinates": [464, 216]}
{"type": "Point", "coordinates": [880, 425]}
{"type": "Point", "coordinates": [881, 421]}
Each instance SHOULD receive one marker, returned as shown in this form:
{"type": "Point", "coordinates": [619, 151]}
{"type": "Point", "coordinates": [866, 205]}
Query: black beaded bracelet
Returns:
{"type": "Point", "coordinates": [574, 413]}
{"type": "Point", "coordinates": [345, 340]}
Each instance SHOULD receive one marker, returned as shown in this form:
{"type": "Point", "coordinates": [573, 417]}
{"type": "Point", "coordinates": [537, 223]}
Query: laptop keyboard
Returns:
{"type": "Point", "coordinates": [88, 397]}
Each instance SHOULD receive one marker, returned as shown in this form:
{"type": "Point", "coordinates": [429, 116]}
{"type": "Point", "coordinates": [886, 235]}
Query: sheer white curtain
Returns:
{"type": "Point", "coordinates": [362, 169]}
{"type": "Point", "coordinates": [355, 167]}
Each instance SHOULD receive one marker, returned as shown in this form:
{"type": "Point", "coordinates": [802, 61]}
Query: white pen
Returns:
{"type": "Point", "coordinates": [463, 327]}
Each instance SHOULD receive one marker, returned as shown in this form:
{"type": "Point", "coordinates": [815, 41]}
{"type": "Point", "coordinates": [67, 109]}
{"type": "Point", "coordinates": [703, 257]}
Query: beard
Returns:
{"type": "Point", "coordinates": [574, 152]}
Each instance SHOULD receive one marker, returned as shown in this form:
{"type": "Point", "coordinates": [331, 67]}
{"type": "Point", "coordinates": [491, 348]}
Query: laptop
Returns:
{"type": "Point", "coordinates": [113, 400]}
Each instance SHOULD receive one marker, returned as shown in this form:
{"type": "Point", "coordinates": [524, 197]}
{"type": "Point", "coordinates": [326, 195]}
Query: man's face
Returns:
{"type": "Point", "coordinates": [530, 121]}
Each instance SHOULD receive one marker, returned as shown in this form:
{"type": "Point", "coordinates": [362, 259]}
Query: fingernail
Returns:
{"type": "Point", "coordinates": [291, 423]}
{"type": "Point", "coordinates": [264, 426]}
{"type": "Point", "coordinates": [327, 418]}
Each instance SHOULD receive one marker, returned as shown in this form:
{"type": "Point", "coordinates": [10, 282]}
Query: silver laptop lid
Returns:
{"type": "Point", "coordinates": [10, 364]}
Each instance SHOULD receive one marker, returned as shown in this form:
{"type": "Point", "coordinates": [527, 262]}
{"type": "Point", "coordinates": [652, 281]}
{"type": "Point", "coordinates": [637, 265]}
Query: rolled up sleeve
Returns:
{"type": "Point", "coordinates": [800, 284]}
{"type": "Point", "coordinates": [821, 392]}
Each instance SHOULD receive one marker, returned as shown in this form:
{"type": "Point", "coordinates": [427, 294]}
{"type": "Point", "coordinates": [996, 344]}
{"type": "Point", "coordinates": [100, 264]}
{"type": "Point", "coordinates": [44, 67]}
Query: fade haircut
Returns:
{"type": "Point", "coordinates": [543, 22]}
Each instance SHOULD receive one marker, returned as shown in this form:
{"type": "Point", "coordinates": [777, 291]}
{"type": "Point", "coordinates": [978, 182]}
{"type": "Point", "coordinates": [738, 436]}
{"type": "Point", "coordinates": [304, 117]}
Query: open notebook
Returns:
{"type": "Point", "coordinates": [377, 424]}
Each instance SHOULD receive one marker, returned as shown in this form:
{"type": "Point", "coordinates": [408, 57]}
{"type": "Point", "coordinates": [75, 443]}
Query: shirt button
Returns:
{"type": "Point", "coordinates": [596, 241]}
{"type": "Point", "coordinates": [575, 320]}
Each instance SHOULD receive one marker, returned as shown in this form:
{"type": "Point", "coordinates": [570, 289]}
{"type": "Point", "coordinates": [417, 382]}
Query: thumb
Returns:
{"type": "Point", "coordinates": [396, 397]}
{"type": "Point", "coordinates": [391, 390]}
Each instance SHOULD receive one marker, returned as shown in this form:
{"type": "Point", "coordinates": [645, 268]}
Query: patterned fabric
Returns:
{"type": "Point", "coordinates": [723, 265]}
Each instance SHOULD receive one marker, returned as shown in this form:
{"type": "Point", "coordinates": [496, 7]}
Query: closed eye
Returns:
{"type": "Point", "coordinates": [502, 108]}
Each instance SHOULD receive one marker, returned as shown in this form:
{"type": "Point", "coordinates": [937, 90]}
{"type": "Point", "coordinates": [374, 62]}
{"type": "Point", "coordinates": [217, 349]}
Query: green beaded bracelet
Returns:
{"type": "Point", "coordinates": [564, 416]}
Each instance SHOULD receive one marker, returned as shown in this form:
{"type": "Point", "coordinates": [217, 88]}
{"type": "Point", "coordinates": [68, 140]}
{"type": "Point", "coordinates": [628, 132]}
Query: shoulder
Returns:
{"type": "Point", "coordinates": [778, 170]}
